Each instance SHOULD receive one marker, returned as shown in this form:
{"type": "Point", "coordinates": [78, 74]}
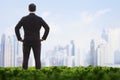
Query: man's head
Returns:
{"type": "Point", "coordinates": [32, 7]}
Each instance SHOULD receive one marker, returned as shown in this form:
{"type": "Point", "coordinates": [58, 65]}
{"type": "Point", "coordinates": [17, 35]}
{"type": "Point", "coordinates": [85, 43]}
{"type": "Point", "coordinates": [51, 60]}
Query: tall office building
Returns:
{"type": "Point", "coordinates": [101, 51]}
{"type": "Point", "coordinates": [117, 57]}
{"type": "Point", "coordinates": [2, 50]}
{"type": "Point", "coordinates": [72, 48]}
{"type": "Point", "coordinates": [93, 55]}
{"type": "Point", "coordinates": [71, 57]}
{"type": "Point", "coordinates": [0, 55]}
{"type": "Point", "coordinates": [104, 55]}
{"type": "Point", "coordinates": [105, 49]}
{"type": "Point", "coordinates": [8, 52]}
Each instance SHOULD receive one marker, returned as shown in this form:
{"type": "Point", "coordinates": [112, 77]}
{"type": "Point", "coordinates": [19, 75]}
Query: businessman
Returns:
{"type": "Point", "coordinates": [31, 25]}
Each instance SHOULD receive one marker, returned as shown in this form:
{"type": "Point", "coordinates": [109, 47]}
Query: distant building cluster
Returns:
{"type": "Point", "coordinates": [61, 56]}
{"type": "Point", "coordinates": [10, 52]}
{"type": "Point", "coordinates": [105, 53]}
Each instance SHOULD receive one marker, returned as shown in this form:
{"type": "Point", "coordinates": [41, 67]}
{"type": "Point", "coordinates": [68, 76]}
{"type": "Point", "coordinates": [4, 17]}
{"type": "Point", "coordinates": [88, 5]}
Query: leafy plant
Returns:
{"type": "Point", "coordinates": [61, 73]}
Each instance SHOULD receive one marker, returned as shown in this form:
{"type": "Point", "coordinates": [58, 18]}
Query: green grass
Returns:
{"type": "Point", "coordinates": [61, 73]}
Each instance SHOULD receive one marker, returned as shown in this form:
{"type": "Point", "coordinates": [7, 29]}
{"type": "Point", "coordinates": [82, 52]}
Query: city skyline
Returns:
{"type": "Point", "coordinates": [105, 54]}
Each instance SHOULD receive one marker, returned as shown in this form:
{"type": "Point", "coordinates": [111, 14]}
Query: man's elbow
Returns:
{"type": "Point", "coordinates": [16, 29]}
{"type": "Point", "coordinates": [48, 28]}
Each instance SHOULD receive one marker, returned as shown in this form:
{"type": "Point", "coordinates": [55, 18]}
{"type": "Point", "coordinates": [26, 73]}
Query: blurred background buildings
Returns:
{"type": "Point", "coordinates": [105, 53]}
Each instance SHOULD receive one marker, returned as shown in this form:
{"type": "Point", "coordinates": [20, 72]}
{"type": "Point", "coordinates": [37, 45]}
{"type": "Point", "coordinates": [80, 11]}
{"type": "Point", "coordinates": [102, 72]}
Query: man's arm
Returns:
{"type": "Point", "coordinates": [17, 30]}
{"type": "Point", "coordinates": [46, 27]}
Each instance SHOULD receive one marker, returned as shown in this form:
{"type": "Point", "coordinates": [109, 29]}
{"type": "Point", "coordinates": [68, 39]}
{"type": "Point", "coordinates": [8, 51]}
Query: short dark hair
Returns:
{"type": "Point", "coordinates": [32, 7]}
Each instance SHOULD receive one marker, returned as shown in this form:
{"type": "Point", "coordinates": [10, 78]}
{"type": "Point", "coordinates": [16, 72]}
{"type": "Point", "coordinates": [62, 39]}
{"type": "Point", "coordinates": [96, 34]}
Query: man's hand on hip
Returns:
{"type": "Point", "coordinates": [21, 40]}
{"type": "Point", "coordinates": [41, 40]}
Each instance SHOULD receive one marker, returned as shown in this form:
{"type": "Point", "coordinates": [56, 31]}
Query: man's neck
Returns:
{"type": "Point", "coordinates": [32, 12]}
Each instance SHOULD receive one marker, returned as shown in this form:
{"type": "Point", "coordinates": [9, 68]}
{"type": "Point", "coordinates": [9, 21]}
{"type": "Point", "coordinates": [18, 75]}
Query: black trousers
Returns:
{"type": "Point", "coordinates": [36, 47]}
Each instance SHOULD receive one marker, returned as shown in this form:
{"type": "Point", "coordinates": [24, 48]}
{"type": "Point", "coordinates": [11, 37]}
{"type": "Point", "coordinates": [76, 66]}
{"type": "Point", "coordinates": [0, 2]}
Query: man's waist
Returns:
{"type": "Point", "coordinates": [31, 38]}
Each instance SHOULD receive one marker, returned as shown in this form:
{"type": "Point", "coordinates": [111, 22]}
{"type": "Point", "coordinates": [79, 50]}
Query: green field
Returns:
{"type": "Point", "coordinates": [61, 73]}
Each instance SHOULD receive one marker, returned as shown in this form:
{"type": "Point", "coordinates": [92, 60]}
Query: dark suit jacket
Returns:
{"type": "Point", "coordinates": [31, 25]}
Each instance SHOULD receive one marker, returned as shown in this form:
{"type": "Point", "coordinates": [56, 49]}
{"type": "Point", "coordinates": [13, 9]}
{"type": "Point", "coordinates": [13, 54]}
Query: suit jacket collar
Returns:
{"type": "Point", "coordinates": [32, 14]}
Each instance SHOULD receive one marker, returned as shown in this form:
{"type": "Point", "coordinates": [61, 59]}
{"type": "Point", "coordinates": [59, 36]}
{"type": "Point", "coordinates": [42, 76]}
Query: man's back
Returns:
{"type": "Point", "coordinates": [32, 25]}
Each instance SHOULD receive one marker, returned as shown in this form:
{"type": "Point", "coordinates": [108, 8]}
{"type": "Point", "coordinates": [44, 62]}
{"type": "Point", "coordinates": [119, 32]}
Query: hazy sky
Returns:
{"type": "Point", "coordinates": [78, 20]}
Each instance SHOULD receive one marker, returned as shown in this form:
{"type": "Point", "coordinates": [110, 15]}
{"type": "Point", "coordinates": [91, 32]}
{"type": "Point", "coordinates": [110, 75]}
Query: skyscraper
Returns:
{"type": "Point", "coordinates": [93, 55]}
{"type": "Point", "coordinates": [72, 48]}
{"type": "Point", "coordinates": [117, 57]}
{"type": "Point", "coordinates": [101, 51]}
{"type": "Point", "coordinates": [8, 52]}
{"type": "Point", "coordinates": [2, 50]}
